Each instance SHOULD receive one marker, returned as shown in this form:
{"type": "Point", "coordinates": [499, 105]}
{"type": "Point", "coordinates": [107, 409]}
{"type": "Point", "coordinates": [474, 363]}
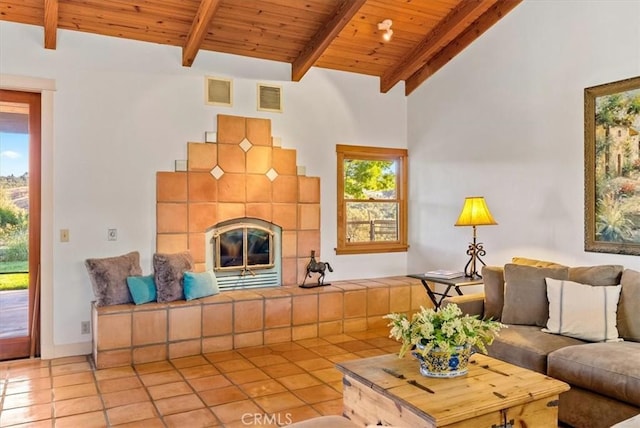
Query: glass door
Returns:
{"type": "Point", "coordinates": [19, 224]}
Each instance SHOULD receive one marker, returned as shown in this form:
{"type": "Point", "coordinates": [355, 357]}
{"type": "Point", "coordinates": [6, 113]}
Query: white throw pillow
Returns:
{"type": "Point", "coordinates": [582, 311]}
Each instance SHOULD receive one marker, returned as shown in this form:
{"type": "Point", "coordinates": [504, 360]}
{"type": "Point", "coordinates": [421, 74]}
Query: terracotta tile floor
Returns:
{"type": "Point", "coordinates": [261, 386]}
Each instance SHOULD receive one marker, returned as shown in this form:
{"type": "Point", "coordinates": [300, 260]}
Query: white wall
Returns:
{"type": "Point", "coordinates": [505, 119]}
{"type": "Point", "coordinates": [124, 110]}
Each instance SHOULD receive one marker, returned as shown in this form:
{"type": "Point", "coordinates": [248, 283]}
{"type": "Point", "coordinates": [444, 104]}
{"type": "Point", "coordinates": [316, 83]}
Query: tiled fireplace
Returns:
{"type": "Point", "coordinates": [241, 176]}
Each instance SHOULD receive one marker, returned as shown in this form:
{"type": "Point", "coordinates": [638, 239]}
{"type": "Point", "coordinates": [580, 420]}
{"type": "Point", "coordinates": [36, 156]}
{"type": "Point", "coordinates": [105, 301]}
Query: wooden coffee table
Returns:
{"type": "Point", "coordinates": [388, 390]}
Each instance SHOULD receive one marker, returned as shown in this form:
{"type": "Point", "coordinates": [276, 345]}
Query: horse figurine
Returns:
{"type": "Point", "coordinates": [317, 267]}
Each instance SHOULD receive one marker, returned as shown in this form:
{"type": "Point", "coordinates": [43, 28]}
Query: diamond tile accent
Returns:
{"type": "Point", "coordinates": [217, 172]}
{"type": "Point", "coordinates": [272, 174]}
{"type": "Point", "coordinates": [245, 145]}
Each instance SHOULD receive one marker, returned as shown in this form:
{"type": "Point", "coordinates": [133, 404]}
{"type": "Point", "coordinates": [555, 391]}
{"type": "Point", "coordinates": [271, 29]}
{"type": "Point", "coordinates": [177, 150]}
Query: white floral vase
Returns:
{"type": "Point", "coordinates": [437, 363]}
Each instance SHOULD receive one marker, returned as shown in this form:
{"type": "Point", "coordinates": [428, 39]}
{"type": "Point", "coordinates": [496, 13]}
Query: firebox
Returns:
{"type": "Point", "coordinates": [244, 253]}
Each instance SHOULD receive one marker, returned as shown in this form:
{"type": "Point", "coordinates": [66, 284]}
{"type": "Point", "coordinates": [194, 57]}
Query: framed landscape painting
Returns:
{"type": "Point", "coordinates": [612, 167]}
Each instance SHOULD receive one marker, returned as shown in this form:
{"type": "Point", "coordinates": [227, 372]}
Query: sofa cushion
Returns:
{"type": "Point", "coordinates": [493, 279]}
{"type": "Point", "coordinates": [109, 277]}
{"type": "Point", "coordinates": [582, 311]}
{"type": "Point", "coordinates": [612, 369]}
{"type": "Point", "coordinates": [527, 346]}
{"type": "Point", "coordinates": [469, 304]}
{"type": "Point", "coordinates": [629, 306]}
{"type": "Point", "coordinates": [168, 271]}
{"type": "Point", "coordinates": [596, 275]}
{"type": "Point", "coordinates": [579, 407]}
{"type": "Point", "coordinates": [525, 293]}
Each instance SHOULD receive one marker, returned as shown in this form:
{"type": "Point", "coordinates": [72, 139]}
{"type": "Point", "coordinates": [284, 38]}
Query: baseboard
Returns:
{"type": "Point", "coordinates": [68, 350]}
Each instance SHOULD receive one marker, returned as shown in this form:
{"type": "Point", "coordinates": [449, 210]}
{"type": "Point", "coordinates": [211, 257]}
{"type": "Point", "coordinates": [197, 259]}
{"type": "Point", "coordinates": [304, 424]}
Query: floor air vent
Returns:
{"type": "Point", "coordinates": [258, 279]}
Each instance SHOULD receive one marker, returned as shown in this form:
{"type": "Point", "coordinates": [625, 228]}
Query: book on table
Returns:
{"type": "Point", "coordinates": [444, 273]}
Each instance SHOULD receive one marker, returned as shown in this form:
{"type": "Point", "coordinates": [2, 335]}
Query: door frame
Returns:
{"type": "Point", "coordinates": [25, 346]}
{"type": "Point", "coordinates": [46, 88]}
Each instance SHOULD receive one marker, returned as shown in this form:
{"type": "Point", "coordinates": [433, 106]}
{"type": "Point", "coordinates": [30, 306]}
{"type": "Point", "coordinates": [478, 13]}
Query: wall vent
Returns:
{"type": "Point", "coordinates": [269, 98]}
{"type": "Point", "coordinates": [218, 91]}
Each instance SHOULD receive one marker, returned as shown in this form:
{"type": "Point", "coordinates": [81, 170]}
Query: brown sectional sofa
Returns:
{"type": "Point", "coordinates": [604, 376]}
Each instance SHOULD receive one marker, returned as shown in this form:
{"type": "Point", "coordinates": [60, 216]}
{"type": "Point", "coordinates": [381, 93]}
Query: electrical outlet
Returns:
{"type": "Point", "coordinates": [85, 327]}
{"type": "Point", "coordinates": [112, 234]}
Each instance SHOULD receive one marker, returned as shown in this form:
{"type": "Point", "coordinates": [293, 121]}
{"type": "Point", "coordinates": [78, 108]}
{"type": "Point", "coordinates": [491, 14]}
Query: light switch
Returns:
{"type": "Point", "coordinates": [64, 235]}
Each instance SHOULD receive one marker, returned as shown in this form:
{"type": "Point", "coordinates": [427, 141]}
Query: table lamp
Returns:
{"type": "Point", "coordinates": [475, 213]}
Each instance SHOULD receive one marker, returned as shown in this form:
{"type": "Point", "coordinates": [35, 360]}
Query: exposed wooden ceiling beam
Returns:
{"type": "Point", "coordinates": [198, 30]}
{"type": "Point", "coordinates": [482, 24]}
{"type": "Point", "coordinates": [447, 30]}
{"type": "Point", "coordinates": [50, 23]}
{"type": "Point", "coordinates": [323, 38]}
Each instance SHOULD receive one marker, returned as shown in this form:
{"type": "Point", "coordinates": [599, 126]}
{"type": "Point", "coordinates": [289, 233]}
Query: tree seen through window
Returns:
{"type": "Point", "coordinates": [372, 189]}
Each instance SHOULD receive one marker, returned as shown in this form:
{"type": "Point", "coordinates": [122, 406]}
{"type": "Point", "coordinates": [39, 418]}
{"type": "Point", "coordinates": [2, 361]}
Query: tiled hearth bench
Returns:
{"type": "Point", "coordinates": [130, 334]}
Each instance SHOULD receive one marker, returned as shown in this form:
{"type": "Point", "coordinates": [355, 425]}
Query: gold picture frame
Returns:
{"type": "Point", "coordinates": [612, 167]}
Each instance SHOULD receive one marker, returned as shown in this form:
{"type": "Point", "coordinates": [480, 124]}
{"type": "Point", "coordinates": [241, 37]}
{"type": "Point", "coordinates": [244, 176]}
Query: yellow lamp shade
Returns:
{"type": "Point", "coordinates": [475, 213]}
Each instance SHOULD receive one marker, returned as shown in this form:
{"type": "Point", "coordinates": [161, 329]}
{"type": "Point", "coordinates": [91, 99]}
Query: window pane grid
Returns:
{"type": "Point", "coordinates": [372, 221]}
{"type": "Point", "coordinates": [371, 200]}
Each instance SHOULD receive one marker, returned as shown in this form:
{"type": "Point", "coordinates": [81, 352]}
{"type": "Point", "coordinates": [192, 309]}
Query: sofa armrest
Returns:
{"type": "Point", "coordinates": [472, 304]}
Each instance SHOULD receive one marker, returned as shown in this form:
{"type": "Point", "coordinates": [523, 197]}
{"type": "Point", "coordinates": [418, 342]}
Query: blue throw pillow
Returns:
{"type": "Point", "coordinates": [200, 284]}
{"type": "Point", "coordinates": [142, 289]}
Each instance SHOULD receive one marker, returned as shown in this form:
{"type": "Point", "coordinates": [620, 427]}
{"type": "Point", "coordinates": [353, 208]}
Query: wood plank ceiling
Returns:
{"type": "Point", "coordinates": [334, 34]}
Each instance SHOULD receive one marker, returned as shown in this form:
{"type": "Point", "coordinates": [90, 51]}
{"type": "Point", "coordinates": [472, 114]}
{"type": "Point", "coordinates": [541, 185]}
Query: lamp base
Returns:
{"type": "Point", "coordinates": [474, 252]}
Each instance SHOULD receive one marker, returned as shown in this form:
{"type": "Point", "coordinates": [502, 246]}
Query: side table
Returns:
{"type": "Point", "coordinates": [455, 283]}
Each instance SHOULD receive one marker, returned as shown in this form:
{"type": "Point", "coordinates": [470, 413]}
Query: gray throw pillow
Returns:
{"type": "Point", "coordinates": [169, 271]}
{"type": "Point", "coordinates": [109, 277]}
{"type": "Point", "coordinates": [629, 306]}
{"type": "Point", "coordinates": [525, 293]}
{"type": "Point", "coordinates": [596, 275]}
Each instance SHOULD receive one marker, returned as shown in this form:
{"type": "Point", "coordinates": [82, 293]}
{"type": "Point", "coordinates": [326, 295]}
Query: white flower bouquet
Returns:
{"type": "Point", "coordinates": [445, 330]}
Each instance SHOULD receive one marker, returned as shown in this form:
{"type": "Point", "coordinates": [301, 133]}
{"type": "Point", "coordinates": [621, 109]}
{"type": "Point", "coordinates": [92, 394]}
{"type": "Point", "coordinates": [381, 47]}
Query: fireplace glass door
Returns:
{"type": "Point", "coordinates": [243, 247]}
